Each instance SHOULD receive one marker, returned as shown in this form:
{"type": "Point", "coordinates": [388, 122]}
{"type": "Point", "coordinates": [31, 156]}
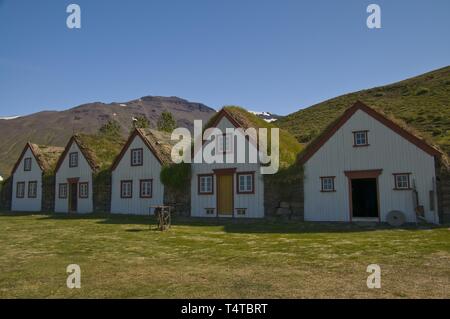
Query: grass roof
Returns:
{"type": "Point", "coordinates": [160, 142]}
{"type": "Point", "coordinates": [100, 150]}
{"type": "Point", "coordinates": [289, 146]}
{"type": "Point", "coordinates": [47, 156]}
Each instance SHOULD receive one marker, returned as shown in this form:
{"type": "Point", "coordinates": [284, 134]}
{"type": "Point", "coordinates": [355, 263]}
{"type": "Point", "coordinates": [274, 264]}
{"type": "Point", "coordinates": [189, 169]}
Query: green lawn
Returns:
{"type": "Point", "coordinates": [121, 257]}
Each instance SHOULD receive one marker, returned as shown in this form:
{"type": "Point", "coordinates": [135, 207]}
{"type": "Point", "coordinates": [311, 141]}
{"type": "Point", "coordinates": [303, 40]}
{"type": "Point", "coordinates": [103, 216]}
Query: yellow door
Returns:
{"type": "Point", "coordinates": [225, 194]}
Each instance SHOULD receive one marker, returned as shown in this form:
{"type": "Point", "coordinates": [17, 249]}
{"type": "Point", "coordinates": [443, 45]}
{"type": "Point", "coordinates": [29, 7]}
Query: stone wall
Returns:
{"type": "Point", "coordinates": [283, 199]}
{"type": "Point", "coordinates": [48, 193]}
{"type": "Point", "coordinates": [181, 199]}
{"type": "Point", "coordinates": [102, 192]}
{"type": "Point", "coordinates": [444, 196]}
{"type": "Point", "coordinates": [6, 194]}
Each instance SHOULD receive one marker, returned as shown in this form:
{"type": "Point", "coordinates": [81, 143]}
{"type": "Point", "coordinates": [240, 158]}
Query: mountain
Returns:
{"type": "Point", "coordinates": [9, 118]}
{"type": "Point", "coordinates": [55, 127]}
{"type": "Point", "coordinates": [422, 103]}
{"type": "Point", "coordinates": [266, 116]}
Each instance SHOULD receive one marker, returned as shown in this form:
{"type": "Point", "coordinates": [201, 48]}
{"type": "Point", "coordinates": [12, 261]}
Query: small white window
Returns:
{"type": "Point", "coordinates": [27, 164]}
{"type": "Point", "coordinates": [225, 143]}
{"type": "Point", "coordinates": [402, 181]}
{"type": "Point", "coordinates": [137, 157]}
{"type": "Point", "coordinates": [205, 184]}
{"type": "Point", "coordinates": [245, 182]}
{"type": "Point", "coordinates": [32, 189]}
{"type": "Point", "coordinates": [20, 190]}
{"type": "Point", "coordinates": [209, 211]}
{"type": "Point", "coordinates": [360, 138]}
{"type": "Point", "coordinates": [327, 184]}
{"type": "Point", "coordinates": [146, 188]}
{"type": "Point", "coordinates": [62, 191]}
{"type": "Point", "coordinates": [84, 190]}
{"type": "Point", "coordinates": [241, 211]}
{"type": "Point", "coordinates": [126, 189]}
{"type": "Point", "coordinates": [73, 159]}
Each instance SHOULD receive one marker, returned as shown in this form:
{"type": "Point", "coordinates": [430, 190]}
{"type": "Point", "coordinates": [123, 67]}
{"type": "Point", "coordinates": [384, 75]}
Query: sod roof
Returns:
{"type": "Point", "coordinates": [99, 150]}
{"type": "Point", "coordinates": [158, 142]}
{"type": "Point", "coordinates": [289, 146]}
{"type": "Point", "coordinates": [45, 155]}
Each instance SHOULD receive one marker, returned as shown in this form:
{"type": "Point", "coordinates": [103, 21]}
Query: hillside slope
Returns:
{"type": "Point", "coordinates": [55, 128]}
{"type": "Point", "coordinates": [422, 103]}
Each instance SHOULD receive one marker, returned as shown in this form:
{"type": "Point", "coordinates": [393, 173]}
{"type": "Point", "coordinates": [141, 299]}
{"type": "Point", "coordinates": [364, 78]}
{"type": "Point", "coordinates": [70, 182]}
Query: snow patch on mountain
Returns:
{"type": "Point", "coordinates": [266, 116]}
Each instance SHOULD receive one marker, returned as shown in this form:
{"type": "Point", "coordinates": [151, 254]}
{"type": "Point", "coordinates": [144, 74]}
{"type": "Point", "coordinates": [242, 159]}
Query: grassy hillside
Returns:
{"type": "Point", "coordinates": [422, 103]}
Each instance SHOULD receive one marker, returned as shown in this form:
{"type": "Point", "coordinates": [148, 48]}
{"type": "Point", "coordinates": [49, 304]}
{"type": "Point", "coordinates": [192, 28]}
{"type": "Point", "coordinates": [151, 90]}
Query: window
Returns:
{"type": "Point", "coordinates": [360, 138]}
{"type": "Point", "coordinates": [126, 189]}
{"type": "Point", "coordinates": [241, 211]}
{"type": "Point", "coordinates": [327, 183]}
{"type": "Point", "coordinates": [209, 211]}
{"type": "Point", "coordinates": [20, 190]}
{"type": "Point", "coordinates": [225, 143]}
{"type": "Point", "coordinates": [137, 157]}
{"type": "Point", "coordinates": [32, 189]}
{"type": "Point", "coordinates": [146, 188]}
{"type": "Point", "coordinates": [84, 190]}
{"type": "Point", "coordinates": [205, 184]}
{"type": "Point", "coordinates": [245, 183]}
{"type": "Point", "coordinates": [73, 159]}
{"type": "Point", "coordinates": [401, 181]}
{"type": "Point", "coordinates": [27, 164]}
{"type": "Point", "coordinates": [62, 191]}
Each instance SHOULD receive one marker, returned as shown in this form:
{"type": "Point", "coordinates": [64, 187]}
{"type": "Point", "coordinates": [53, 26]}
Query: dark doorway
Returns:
{"type": "Point", "coordinates": [73, 197]}
{"type": "Point", "coordinates": [364, 197]}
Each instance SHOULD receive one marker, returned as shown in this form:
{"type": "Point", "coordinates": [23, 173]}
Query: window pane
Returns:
{"type": "Point", "coordinates": [146, 188]}
{"type": "Point", "coordinates": [402, 181]}
{"type": "Point", "coordinates": [360, 138]}
{"type": "Point", "coordinates": [206, 184]}
{"type": "Point", "coordinates": [328, 184]}
{"type": "Point", "coordinates": [246, 183]}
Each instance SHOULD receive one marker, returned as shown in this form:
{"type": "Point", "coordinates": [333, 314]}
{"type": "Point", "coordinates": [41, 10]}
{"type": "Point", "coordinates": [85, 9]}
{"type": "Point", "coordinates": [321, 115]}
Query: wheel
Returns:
{"type": "Point", "coordinates": [395, 218]}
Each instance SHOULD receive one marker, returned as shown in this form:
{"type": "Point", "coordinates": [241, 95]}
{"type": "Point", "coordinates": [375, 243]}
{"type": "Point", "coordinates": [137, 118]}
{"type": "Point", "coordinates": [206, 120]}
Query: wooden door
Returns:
{"type": "Point", "coordinates": [73, 197]}
{"type": "Point", "coordinates": [225, 195]}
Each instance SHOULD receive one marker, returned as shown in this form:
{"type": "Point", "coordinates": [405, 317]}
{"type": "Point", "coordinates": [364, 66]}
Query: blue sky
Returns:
{"type": "Point", "coordinates": [276, 56]}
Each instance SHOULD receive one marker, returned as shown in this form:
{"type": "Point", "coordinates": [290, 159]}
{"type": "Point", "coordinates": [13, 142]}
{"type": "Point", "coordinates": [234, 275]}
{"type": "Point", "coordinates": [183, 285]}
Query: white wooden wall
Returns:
{"type": "Point", "coordinates": [253, 202]}
{"type": "Point", "coordinates": [84, 173]}
{"type": "Point", "coordinates": [27, 204]}
{"type": "Point", "coordinates": [151, 169]}
{"type": "Point", "coordinates": [387, 151]}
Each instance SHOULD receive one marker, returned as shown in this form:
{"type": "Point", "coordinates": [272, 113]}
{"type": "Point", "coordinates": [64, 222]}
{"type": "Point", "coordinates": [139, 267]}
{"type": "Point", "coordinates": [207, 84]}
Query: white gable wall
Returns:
{"type": "Point", "coordinates": [84, 173]}
{"type": "Point", "coordinates": [253, 202]}
{"type": "Point", "coordinates": [151, 169]}
{"type": "Point", "coordinates": [35, 175]}
{"type": "Point", "coordinates": [388, 151]}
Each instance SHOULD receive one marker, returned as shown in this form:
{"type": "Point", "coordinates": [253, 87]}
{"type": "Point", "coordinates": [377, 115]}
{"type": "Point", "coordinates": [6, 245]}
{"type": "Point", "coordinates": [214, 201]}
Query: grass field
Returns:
{"type": "Point", "coordinates": [121, 257]}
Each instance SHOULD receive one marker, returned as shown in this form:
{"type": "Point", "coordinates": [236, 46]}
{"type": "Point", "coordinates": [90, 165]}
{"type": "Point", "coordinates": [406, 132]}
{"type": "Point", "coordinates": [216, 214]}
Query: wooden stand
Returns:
{"type": "Point", "coordinates": [163, 218]}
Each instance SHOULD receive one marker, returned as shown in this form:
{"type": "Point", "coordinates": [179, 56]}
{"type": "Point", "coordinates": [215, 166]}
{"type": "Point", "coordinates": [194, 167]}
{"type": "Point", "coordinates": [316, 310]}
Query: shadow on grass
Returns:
{"type": "Point", "coordinates": [250, 226]}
